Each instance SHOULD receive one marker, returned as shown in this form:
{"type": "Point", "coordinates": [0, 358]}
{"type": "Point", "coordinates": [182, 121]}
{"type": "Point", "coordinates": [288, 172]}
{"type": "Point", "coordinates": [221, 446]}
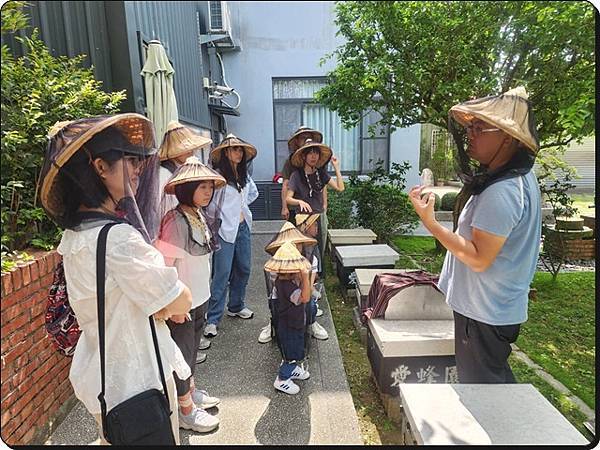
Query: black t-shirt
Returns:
{"type": "Point", "coordinates": [302, 190]}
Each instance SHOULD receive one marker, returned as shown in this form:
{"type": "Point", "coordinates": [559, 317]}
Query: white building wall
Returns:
{"type": "Point", "coordinates": [286, 39]}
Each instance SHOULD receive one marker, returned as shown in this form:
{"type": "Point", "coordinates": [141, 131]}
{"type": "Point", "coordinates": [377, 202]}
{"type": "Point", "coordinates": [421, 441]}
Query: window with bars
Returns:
{"type": "Point", "coordinates": [294, 105]}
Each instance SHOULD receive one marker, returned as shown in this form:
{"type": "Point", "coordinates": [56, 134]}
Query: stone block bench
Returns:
{"type": "Point", "coordinates": [348, 258]}
{"type": "Point", "coordinates": [482, 414]}
{"type": "Point", "coordinates": [355, 236]}
{"type": "Point", "coordinates": [412, 343]}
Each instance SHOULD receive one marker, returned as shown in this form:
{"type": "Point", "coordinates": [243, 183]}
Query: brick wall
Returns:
{"type": "Point", "coordinates": [575, 248]}
{"type": "Point", "coordinates": [35, 377]}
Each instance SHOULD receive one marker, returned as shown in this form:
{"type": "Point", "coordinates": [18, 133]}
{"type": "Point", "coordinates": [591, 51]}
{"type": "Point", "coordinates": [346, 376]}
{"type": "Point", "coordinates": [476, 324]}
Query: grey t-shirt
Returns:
{"type": "Point", "coordinates": [302, 191]}
{"type": "Point", "coordinates": [498, 296]}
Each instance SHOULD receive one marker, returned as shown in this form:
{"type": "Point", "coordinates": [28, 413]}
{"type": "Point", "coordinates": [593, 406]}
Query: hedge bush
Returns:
{"type": "Point", "coordinates": [38, 90]}
{"type": "Point", "coordinates": [448, 201]}
{"type": "Point", "coordinates": [377, 202]}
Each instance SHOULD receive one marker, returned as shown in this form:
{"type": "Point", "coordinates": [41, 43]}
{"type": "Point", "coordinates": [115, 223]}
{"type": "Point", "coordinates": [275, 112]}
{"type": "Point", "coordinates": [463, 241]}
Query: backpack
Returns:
{"type": "Point", "coordinates": [61, 323]}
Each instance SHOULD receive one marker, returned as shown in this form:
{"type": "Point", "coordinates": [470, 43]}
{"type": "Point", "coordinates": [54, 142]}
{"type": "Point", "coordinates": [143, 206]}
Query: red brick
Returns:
{"type": "Point", "coordinates": [16, 323]}
{"type": "Point", "coordinates": [9, 400]}
{"type": "Point", "coordinates": [7, 286]}
{"type": "Point", "coordinates": [8, 431]}
{"type": "Point", "coordinates": [27, 409]}
{"type": "Point", "coordinates": [10, 313]}
{"type": "Point", "coordinates": [17, 279]}
{"type": "Point", "coordinates": [11, 341]}
{"type": "Point", "coordinates": [20, 404]}
{"type": "Point", "coordinates": [35, 271]}
{"type": "Point", "coordinates": [28, 436]}
{"type": "Point", "coordinates": [41, 266]}
{"type": "Point", "coordinates": [26, 275]}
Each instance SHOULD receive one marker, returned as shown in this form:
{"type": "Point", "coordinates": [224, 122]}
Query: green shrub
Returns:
{"type": "Point", "coordinates": [448, 201]}
{"type": "Point", "coordinates": [438, 201]}
{"type": "Point", "coordinates": [339, 209]}
{"type": "Point", "coordinates": [381, 203]}
{"type": "Point", "coordinates": [38, 90]}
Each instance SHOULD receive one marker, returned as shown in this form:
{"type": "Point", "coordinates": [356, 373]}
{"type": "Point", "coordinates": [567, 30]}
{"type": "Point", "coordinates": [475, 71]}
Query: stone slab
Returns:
{"type": "Point", "coordinates": [413, 337]}
{"type": "Point", "coordinates": [422, 302]}
{"type": "Point", "coordinates": [366, 255]}
{"type": "Point", "coordinates": [365, 277]}
{"type": "Point", "coordinates": [339, 236]}
{"type": "Point", "coordinates": [484, 414]}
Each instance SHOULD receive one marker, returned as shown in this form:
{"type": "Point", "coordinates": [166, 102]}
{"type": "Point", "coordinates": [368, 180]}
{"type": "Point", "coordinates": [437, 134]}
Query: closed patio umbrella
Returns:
{"type": "Point", "coordinates": [160, 97]}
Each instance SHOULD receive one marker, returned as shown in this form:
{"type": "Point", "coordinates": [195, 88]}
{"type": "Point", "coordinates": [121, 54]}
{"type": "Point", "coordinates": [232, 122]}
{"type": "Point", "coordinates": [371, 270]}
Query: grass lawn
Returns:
{"type": "Point", "coordinates": [376, 428]}
{"type": "Point", "coordinates": [560, 332]}
{"type": "Point", "coordinates": [418, 252]}
{"type": "Point", "coordinates": [582, 203]}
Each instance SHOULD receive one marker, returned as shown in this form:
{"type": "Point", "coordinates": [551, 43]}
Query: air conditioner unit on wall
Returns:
{"type": "Point", "coordinates": [218, 17]}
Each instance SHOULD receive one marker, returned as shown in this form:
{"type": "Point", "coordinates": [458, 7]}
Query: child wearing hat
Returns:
{"type": "Point", "coordinates": [186, 243]}
{"type": "Point", "coordinates": [292, 285]}
{"type": "Point", "coordinates": [288, 233]}
{"type": "Point", "coordinates": [179, 143]}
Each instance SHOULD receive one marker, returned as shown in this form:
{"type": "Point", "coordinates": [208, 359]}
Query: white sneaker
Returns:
{"type": "Point", "coordinates": [203, 400]}
{"type": "Point", "coordinates": [265, 334]}
{"type": "Point", "coordinates": [244, 313]}
{"type": "Point", "coordinates": [287, 386]}
{"type": "Point", "coordinates": [300, 373]}
{"type": "Point", "coordinates": [198, 420]}
{"type": "Point", "coordinates": [204, 343]}
{"type": "Point", "coordinates": [210, 330]}
{"type": "Point", "coordinates": [318, 332]}
{"type": "Point", "coordinates": [319, 312]}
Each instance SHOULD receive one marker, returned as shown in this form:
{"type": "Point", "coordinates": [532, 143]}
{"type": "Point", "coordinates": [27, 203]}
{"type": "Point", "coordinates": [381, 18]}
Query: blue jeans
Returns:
{"type": "Point", "coordinates": [231, 268]}
{"type": "Point", "coordinates": [311, 311]}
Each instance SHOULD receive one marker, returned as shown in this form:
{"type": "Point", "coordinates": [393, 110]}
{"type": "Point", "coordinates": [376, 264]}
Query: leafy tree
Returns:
{"type": "Point", "coordinates": [411, 61]}
{"type": "Point", "coordinates": [38, 90]}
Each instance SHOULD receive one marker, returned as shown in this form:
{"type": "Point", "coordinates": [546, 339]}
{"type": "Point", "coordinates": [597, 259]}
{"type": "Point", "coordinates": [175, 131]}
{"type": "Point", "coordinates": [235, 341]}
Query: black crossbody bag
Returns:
{"type": "Point", "coordinates": [144, 418]}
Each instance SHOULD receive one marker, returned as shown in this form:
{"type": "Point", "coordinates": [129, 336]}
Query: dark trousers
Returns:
{"type": "Point", "coordinates": [187, 336]}
{"type": "Point", "coordinates": [482, 350]}
{"type": "Point", "coordinates": [291, 342]}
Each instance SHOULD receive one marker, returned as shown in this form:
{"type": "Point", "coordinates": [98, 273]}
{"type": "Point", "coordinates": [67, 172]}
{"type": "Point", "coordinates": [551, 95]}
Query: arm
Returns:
{"type": "Point", "coordinates": [478, 254]}
{"type": "Point", "coordinates": [290, 200]}
{"type": "Point", "coordinates": [338, 184]}
{"type": "Point", "coordinates": [305, 287]}
{"type": "Point", "coordinates": [285, 212]}
{"type": "Point", "coordinates": [178, 307]}
{"type": "Point", "coordinates": [325, 199]}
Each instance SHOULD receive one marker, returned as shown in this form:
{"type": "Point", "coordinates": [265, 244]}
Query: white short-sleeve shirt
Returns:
{"type": "Point", "coordinates": [138, 284]}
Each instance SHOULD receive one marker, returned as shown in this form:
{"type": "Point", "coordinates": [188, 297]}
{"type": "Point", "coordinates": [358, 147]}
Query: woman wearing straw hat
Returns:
{"type": "Point", "coordinates": [232, 263]}
{"type": "Point", "coordinates": [296, 141]}
{"type": "Point", "coordinates": [292, 291]}
{"type": "Point", "coordinates": [98, 171]}
{"type": "Point", "coordinates": [310, 180]}
{"type": "Point", "coordinates": [179, 143]}
{"type": "Point", "coordinates": [186, 242]}
{"type": "Point", "coordinates": [492, 256]}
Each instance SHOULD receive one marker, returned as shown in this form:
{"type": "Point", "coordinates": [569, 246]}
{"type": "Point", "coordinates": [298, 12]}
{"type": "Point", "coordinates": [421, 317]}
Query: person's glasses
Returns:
{"type": "Point", "coordinates": [477, 130]}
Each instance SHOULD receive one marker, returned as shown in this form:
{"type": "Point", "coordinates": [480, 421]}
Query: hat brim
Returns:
{"type": "Point", "coordinates": [189, 143]}
{"type": "Point", "coordinates": [47, 188]}
{"type": "Point", "coordinates": [275, 245]}
{"type": "Point", "coordinates": [311, 219]}
{"type": "Point", "coordinates": [296, 266]}
{"type": "Point", "coordinates": [464, 116]}
{"type": "Point", "coordinates": [326, 154]}
{"type": "Point", "coordinates": [315, 135]}
{"type": "Point", "coordinates": [249, 150]}
{"type": "Point", "coordinates": [170, 187]}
